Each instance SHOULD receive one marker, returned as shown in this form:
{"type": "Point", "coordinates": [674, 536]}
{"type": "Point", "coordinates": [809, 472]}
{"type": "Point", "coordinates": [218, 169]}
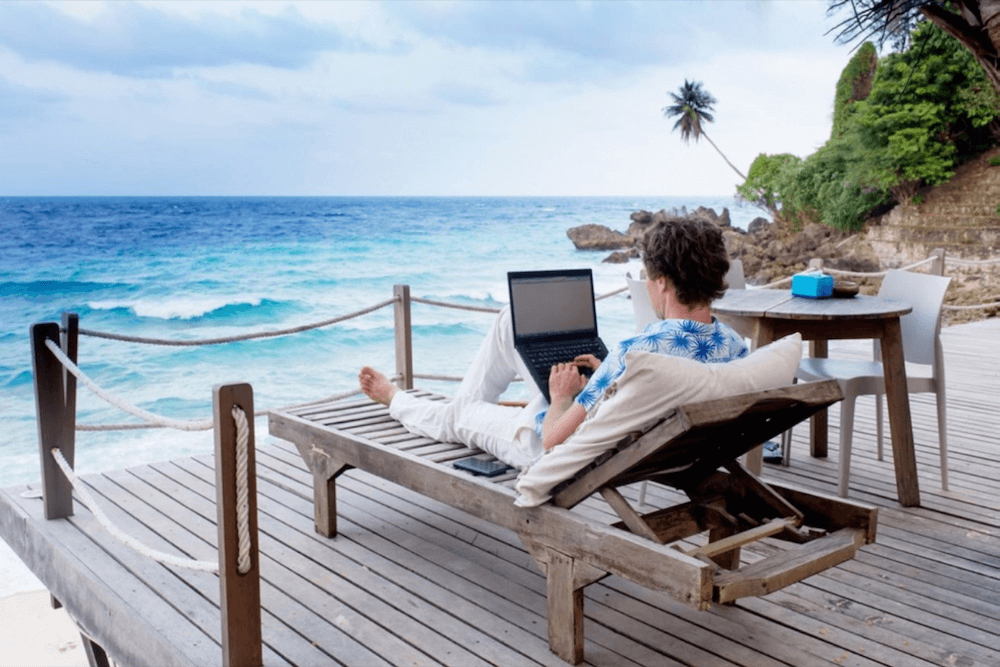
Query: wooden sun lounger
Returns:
{"type": "Point", "coordinates": [694, 448]}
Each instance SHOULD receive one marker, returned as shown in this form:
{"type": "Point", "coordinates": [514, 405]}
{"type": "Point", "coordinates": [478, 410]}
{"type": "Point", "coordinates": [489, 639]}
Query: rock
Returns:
{"type": "Point", "coordinates": [641, 217]}
{"type": "Point", "coordinates": [619, 257]}
{"type": "Point", "coordinates": [723, 220]}
{"type": "Point", "coordinates": [598, 237]}
{"type": "Point", "coordinates": [703, 213]}
{"type": "Point", "coordinates": [757, 225]}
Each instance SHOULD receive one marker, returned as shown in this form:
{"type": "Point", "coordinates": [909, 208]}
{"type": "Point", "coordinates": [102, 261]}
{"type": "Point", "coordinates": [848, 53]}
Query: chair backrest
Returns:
{"type": "Point", "coordinates": [735, 278]}
{"type": "Point", "coordinates": [922, 326]}
{"type": "Point", "coordinates": [641, 304]}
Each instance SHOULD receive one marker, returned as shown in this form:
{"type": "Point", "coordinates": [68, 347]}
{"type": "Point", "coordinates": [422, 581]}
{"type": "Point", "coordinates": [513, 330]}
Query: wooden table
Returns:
{"type": "Point", "coordinates": [766, 315]}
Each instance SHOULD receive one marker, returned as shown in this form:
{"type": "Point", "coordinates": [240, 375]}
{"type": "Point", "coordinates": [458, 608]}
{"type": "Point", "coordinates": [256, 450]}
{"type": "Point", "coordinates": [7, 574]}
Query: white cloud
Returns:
{"type": "Point", "coordinates": [543, 98]}
{"type": "Point", "coordinates": [134, 39]}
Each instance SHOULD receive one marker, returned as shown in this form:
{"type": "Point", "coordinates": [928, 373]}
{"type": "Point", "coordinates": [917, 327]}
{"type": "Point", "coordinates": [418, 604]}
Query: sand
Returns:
{"type": "Point", "coordinates": [33, 634]}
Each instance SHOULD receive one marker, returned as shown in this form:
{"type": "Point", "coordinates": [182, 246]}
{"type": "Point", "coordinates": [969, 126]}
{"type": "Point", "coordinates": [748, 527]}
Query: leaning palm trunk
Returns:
{"type": "Point", "coordinates": [733, 166]}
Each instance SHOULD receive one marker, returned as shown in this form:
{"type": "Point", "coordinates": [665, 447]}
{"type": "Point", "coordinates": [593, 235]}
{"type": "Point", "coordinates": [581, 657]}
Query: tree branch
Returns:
{"type": "Point", "coordinates": [970, 37]}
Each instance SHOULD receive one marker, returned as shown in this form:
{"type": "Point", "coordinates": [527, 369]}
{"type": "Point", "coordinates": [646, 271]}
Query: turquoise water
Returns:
{"type": "Point", "coordinates": [192, 268]}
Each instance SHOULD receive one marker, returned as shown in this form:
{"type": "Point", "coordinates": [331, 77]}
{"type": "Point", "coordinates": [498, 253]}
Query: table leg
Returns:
{"type": "Point", "coordinates": [900, 427]}
{"type": "Point", "coordinates": [818, 349]}
{"type": "Point", "coordinates": [763, 333]}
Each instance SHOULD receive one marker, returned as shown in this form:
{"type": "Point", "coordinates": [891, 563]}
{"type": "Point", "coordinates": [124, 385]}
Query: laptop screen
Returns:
{"type": "Point", "coordinates": [552, 303]}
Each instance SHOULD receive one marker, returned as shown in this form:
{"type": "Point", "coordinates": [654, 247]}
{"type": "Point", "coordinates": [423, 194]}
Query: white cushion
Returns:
{"type": "Point", "coordinates": [651, 386]}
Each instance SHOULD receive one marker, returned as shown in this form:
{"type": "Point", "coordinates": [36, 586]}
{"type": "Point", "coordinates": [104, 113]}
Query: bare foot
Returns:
{"type": "Point", "coordinates": [376, 386]}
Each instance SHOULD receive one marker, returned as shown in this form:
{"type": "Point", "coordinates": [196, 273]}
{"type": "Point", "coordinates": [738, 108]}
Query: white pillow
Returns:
{"type": "Point", "coordinates": [651, 386]}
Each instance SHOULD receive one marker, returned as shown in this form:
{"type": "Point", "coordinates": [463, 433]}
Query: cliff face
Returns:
{"type": "Point", "coordinates": [960, 216]}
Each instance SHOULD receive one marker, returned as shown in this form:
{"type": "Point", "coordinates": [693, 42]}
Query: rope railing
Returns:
{"type": "Point", "coordinates": [978, 306]}
{"type": "Point", "coordinates": [456, 306]}
{"type": "Point", "coordinates": [774, 284]}
{"type": "Point", "coordinates": [165, 422]}
{"type": "Point", "coordinates": [611, 293]}
{"type": "Point", "coordinates": [443, 378]}
{"type": "Point", "coordinates": [88, 500]}
{"type": "Point", "coordinates": [972, 262]}
{"type": "Point", "coordinates": [876, 274]}
{"type": "Point", "coordinates": [233, 339]}
{"type": "Point", "coordinates": [242, 508]}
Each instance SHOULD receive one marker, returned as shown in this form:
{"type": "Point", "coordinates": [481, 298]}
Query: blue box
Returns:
{"type": "Point", "coordinates": [812, 285]}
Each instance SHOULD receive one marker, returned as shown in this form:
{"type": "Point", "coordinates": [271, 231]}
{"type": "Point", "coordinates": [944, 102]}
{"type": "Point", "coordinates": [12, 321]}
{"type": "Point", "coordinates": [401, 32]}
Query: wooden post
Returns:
{"type": "Point", "coordinates": [56, 426]}
{"type": "Point", "coordinates": [69, 342]}
{"type": "Point", "coordinates": [816, 263]}
{"type": "Point", "coordinates": [937, 267]}
{"type": "Point", "coordinates": [239, 599]}
{"type": "Point", "coordinates": [565, 609]}
{"type": "Point", "coordinates": [404, 336]}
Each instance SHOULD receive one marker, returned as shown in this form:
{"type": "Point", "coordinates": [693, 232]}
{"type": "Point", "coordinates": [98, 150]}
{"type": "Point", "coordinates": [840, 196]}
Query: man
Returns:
{"type": "Point", "coordinates": [686, 264]}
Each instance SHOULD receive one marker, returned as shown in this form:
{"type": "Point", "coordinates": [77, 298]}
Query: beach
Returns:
{"type": "Point", "coordinates": [33, 634]}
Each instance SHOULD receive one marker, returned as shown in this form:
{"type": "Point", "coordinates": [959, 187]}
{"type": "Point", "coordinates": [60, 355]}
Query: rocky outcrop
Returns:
{"type": "Point", "coordinates": [598, 237]}
{"type": "Point", "coordinates": [643, 220]}
{"type": "Point", "coordinates": [766, 255]}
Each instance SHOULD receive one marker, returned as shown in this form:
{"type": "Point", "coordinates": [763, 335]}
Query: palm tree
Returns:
{"type": "Point", "coordinates": [693, 106]}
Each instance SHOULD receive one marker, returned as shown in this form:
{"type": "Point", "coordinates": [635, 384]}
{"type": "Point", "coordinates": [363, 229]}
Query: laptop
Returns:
{"type": "Point", "coordinates": [554, 319]}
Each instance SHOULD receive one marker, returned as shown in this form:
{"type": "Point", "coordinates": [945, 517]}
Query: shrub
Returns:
{"type": "Point", "coordinates": [927, 110]}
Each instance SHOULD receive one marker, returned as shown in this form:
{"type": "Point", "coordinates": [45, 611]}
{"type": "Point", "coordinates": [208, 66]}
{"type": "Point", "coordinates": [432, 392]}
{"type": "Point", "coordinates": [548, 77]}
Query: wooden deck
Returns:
{"type": "Point", "coordinates": [410, 581]}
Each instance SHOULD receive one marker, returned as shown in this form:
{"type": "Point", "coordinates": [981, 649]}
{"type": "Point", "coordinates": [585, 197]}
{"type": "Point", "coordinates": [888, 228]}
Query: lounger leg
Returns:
{"type": "Point", "coordinates": [96, 657]}
{"type": "Point", "coordinates": [565, 610]}
{"type": "Point", "coordinates": [325, 470]}
{"type": "Point", "coordinates": [729, 560]}
{"type": "Point", "coordinates": [325, 504]}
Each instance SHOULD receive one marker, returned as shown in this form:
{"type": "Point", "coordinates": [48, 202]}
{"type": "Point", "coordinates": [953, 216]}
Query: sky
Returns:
{"type": "Point", "coordinates": [404, 98]}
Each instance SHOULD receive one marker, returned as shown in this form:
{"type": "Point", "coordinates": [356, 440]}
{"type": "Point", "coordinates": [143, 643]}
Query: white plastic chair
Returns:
{"type": "Point", "coordinates": [921, 331]}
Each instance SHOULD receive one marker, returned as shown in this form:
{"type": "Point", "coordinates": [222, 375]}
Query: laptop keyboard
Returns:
{"type": "Point", "coordinates": [548, 355]}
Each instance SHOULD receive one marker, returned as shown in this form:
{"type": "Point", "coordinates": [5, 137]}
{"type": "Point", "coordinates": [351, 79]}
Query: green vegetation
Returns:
{"type": "Point", "coordinates": [971, 22]}
{"type": "Point", "coordinates": [855, 84]}
{"type": "Point", "coordinates": [929, 109]}
{"type": "Point", "coordinates": [995, 161]}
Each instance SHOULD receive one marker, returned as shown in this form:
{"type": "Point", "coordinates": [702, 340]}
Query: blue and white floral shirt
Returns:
{"type": "Point", "coordinates": [708, 343]}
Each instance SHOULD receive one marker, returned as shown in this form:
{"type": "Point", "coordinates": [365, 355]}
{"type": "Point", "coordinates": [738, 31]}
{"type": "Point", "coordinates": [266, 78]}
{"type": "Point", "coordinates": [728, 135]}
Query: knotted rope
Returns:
{"type": "Point", "coordinates": [242, 489]}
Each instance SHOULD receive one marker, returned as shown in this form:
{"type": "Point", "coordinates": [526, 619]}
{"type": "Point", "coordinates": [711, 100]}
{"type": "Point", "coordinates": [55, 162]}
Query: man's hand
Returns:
{"type": "Point", "coordinates": [587, 361]}
{"type": "Point", "coordinates": [565, 382]}
{"type": "Point", "coordinates": [563, 415]}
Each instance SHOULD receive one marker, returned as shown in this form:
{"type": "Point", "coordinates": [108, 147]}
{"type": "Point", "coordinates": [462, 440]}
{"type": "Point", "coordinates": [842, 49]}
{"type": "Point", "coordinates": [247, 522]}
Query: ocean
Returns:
{"type": "Point", "coordinates": [205, 267]}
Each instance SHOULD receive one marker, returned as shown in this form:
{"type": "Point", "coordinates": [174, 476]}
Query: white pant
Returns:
{"type": "Point", "coordinates": [473, 417]}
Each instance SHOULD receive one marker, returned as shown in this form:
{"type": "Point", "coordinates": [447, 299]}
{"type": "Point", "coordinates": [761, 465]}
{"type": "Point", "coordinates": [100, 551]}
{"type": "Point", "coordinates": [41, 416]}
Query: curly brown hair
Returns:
{"type": "Point", "coordinates": [691, 254]}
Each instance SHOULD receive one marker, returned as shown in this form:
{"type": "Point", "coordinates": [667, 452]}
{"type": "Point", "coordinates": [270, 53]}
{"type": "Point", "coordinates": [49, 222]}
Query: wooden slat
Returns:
{"type": "Point", "coordinates": [794, 564]}
{"type": "Point", "coordinates": [742, 538]}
